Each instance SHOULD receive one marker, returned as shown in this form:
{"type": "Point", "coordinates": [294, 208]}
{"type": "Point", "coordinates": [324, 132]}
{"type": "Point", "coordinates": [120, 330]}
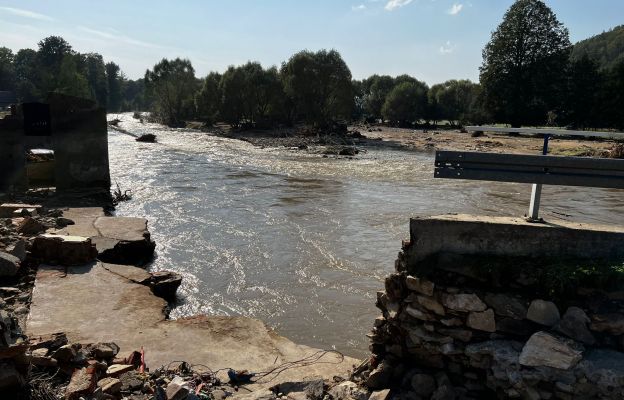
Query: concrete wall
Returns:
{"type": "Point", "coordinates": [512, 237]}
{"type": "Point", "coordinates": [12, 156]}
{"type": "Point", "coordinates": [79, 138]}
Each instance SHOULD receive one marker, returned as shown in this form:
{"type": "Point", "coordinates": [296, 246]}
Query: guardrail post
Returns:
{"type": "Point", "coordinates": [536, 191]}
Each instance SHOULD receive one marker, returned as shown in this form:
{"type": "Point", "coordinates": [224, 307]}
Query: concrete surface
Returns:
{"type": "Point", "coordinates": [513, 237]}
{"type": "Point", "coordinates": [118, 239]}
{"type": "Point", "coordinates": [101, 303]}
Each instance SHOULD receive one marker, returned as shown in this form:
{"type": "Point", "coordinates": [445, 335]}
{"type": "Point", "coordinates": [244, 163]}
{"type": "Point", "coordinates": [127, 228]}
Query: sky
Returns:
{"type": "Point", "coordinates": [432, 40]}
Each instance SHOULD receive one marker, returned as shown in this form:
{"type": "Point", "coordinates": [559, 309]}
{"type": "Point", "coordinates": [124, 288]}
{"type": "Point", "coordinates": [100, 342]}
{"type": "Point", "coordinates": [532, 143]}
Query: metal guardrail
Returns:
{"type": "Point", "coordinates": [539, 170]}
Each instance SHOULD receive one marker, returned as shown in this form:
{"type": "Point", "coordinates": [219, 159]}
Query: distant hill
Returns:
{"type": "Point", "coordinates": [606, 48]}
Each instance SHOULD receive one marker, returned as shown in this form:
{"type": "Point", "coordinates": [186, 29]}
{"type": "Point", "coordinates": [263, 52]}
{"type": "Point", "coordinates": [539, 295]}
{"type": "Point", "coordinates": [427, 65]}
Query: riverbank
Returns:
{"type": "Point", "coordinates": [68, 311]}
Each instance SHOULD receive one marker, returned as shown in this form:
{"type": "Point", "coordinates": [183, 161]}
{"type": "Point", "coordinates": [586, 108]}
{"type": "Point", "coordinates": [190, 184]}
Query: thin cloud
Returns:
{"type": "Point", "coordinates": [119, 38]}
{"type": "Point", "coordinates": [358, 8]}
{"type": "Point", "coordinates": [447, 48]}
{"type": "Point", "coordinates": [455, 9]}
{"type": "Point", "coordinates": [394, 4]}
{"type": "Point", "coordinates": [26, 14]}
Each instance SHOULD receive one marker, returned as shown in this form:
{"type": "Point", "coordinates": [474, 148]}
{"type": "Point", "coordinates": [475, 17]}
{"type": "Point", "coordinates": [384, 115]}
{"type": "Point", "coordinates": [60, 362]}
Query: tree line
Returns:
{"type": "Point", "coordinates": [56, 67]}
{"type": "Point", "coordinates": [528, 77]}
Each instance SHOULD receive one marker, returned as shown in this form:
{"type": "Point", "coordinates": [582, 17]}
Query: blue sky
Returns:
{"type": "Point", "coordinates": [433, 40]}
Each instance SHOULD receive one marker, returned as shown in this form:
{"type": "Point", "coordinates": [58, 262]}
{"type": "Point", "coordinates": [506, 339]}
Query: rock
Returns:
{"type": "Point", "coordinates": [130, 381]}
{"type": "Point", "coordinates": [30, 226]}
{"type": "Point", "coordinates": [82, 382]}
{"type": "Point", "coordinates": [218, 394]}
{"type": "Point", "coordinates": [545, 350]}
{"type": "Point", "coordinates": [110, 385]}
{"type": "Point", "coordinates": [608, 323]}
{"type": "Point", "coordinates": [176, 391]}
{"type": "Point", "coordinates": [262, 394]}
{"type": "Point", "coordinates": [348, 390]}
{"type": "Point", "coordinates": [348, 151]}
{"type": "Point", "coordinates": [432, 305]}
{"type": "Point", "coordinates": [64, 250]}
{"type": "Point", "coordinates": [574, 325]}
{"type": "Point", "coordinates": [105, 350]}
{"type": "Point", "coordinates": [118, 369]}
{"type": "Point", "coordinates": [62, 222]}
{"type": "Point", "coordinates": [7, 209]}
{"type": "Point", "coordinates": [65, 353]}
{"type": "Point", "coordinates": [18, 249]}
{"type": "Point", "coordinates": [506, 306]}
{"type": "Point", "coordinates": [464, 302]}
{"type": "Point", "coordinates": [380, 395]}
{"type": "Point", "coordinates": [165, 284]}
{"type": "Point", "coordinates": [379, 378]}
{"type": "Point", "coordinates": [444, 393]}
{"type": "Point", "coordinates": [421, 315]}
{"type": "Point", "coordinates": [51, 341]}
{"type": "Point", "coordinates": [423, 384]}
{"type": "Point", "coordinates": [40, 358]}
{"type": "Point", "coordinates": [483, 321]}
{"type": "Point", "coordinates": [9, 264]}
{"type": "Point", "coordinates": [9, 377]}
{"type": "Point", "coordinates": [464, 335]}
{"type": "Point", "coordinates": [312, 388]}
{"type": "Point", "coordinates": [419, 285]}
{"type": "Point", "coordinates": [147, 138]}
{"type": "Point", "coordinates": [543, 312]}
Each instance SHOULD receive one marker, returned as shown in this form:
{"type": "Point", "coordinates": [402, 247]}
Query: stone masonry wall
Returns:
{"type": "Point", "coordinates": [448, 332]}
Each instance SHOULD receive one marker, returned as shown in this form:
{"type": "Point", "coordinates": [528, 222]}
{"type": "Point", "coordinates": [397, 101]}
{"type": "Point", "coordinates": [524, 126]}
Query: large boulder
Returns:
{"type": "Point", "coordinates": [543, 312]}
{"type": "Point", "coordinates": [165, 284]}
{"type": "Point", "coordinates": [9, 264]}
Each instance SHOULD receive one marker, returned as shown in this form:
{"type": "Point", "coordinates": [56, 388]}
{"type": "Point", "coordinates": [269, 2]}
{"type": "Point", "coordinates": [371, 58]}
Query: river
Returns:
{"type": "Point", "coordinates": [299, 241]}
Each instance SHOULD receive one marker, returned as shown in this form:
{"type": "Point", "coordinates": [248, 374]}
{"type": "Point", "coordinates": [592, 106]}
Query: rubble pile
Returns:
{"type": "Point", "coordinates": [447, 332]}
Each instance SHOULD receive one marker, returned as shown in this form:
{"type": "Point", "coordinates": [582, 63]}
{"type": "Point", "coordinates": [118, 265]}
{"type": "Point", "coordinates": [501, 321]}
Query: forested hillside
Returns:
{"type": "Point", "coordinates": [607, 48]}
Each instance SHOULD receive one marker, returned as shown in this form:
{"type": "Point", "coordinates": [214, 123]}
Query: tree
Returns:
{"type": "Point", "coordinates": [524, 64]}
{"type": "Point", "coordinates": [376, 89]}
{"type": "Point", "coordinates": [583, 92]}
{"type": "Point", "coordinates": [70, 80]}
{"type": "Point", "coordinates": [7, 69]}
{"type": "Point", "coordinates": [319, 85]}
{"type": "Point", "coordinates": [25, 64]}
{"type": "Point", "coordinates": [95, 72]}
{"type": "Point", "coordinates": [208, 99]}
{"type": "Point", "coordinates": [406, 103]}
{"type": "Point", "coordinates": [454, 100]}
{"type": "Point", "coordinates": [613, 101]}
{"type": "Point", "coordinates": [172, 85]}
{"type": "Point", "coordinates": [113, 84]}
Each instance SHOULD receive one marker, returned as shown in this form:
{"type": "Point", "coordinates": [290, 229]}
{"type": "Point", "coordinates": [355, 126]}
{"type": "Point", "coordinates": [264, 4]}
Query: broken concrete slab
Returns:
{"type": "Point", "coordinates": [119, 240]}
{"type": "Point", "coordinates": [7, 210]}
{"type": "Point", "coordinates": [63, 249]}
{"type": "Point", "coordinates": [92, 304]}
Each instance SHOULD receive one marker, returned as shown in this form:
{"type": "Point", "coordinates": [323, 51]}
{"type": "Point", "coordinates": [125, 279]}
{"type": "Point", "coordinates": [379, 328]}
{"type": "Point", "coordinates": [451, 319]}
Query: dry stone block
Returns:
{"type": "Point", "coordinates": [506, 306]}
{"type": "Point", "coordinates": [467, 302]}
{"type": "Point", "coordinates": [482, 321]}
{"type": "Point", "coordinates": [609, 323]}
{"type": "Point", "coordinates": [419, 285]}
{"type": "Point", "coordinates": [574, 325]}
{"type": "Point", "coordinates": [431, 305]}
{"type": "Point", "coordinates": [418, 314]}
{"type": "Point", "coordinates": [546, 350]}
{"type": "Point", "coordinates": [543, 312]}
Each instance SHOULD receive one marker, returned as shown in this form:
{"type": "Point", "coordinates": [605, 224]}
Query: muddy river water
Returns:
{"type": "Point", "coordinates": [300, 241]}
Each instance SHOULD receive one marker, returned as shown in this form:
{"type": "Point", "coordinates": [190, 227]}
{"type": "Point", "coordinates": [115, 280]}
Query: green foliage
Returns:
{"type": "Point", "coordinates": [7, 69]}
{"type": "Point", "coordinates": [524, 64]}
{"type": "Point", "coordinates": [172, 85]}
{"type": "Point", "coordinates": [376, 89]}
{"type": "Point", "coordinates": [454, 100]}
{"type": "Point", "coordinates": [583, 90]}
{"type": "Point", "coordinates": [406, 103]}
{"type": "Point", "coordinates": [69, 80]}
{"type": "Point", "coordinates": [318, 86]}
{"type": "Point", "coordinates": [208, 99]}
{"type": "Point", "coordinates": [113, 83]}
{"type": "Point", "coordinates": [606, 49]}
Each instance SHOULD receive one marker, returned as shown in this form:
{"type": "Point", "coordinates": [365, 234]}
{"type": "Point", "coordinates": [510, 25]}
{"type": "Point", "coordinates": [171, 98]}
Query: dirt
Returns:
{"type": "Point", "coordinates": [362, 136]}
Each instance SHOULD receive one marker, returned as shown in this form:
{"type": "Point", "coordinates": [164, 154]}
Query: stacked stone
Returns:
{"type": "Point", "coordinates": [442, 342]}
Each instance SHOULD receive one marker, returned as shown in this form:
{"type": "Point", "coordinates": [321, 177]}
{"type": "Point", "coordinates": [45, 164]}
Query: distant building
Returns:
{"type": "Point", "coordinates": [6, 99]}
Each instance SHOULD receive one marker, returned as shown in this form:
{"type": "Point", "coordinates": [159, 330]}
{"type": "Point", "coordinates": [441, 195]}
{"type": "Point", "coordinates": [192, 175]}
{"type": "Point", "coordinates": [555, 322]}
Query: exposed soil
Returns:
{"type": "Point", "coordinates": [363, 136]}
